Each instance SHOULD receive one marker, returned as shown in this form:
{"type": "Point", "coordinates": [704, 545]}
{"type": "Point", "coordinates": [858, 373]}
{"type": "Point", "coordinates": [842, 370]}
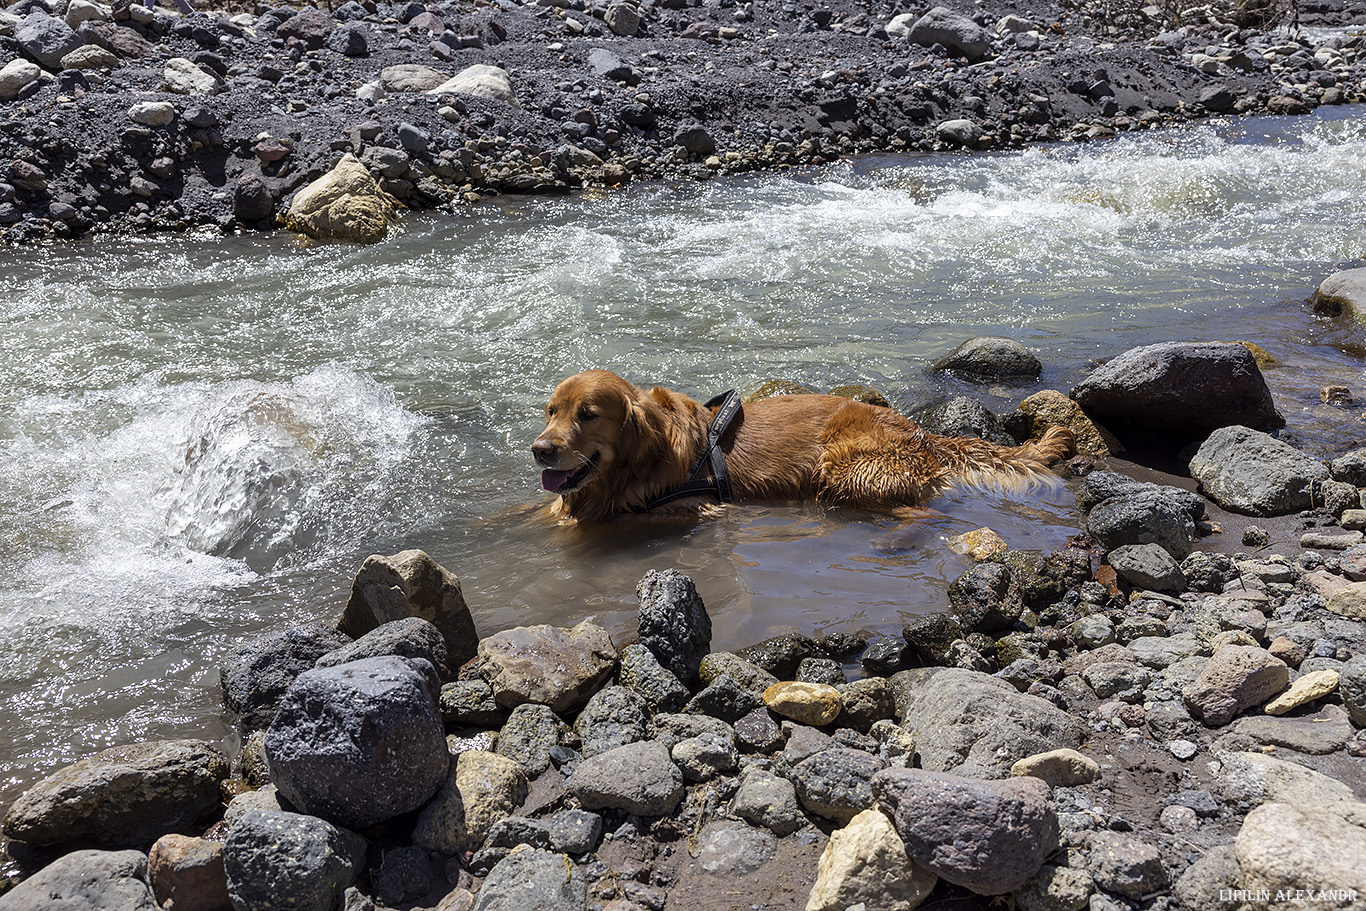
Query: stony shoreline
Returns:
{"type": "Point", "coordinates": [124, 119]}
{"type": "Point", "coordinates": [1135, 721]}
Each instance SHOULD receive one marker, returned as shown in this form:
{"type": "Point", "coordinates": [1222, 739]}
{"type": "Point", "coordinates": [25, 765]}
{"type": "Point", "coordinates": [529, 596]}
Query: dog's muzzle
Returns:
{"type": "Point", "coordinates": [562, 482]}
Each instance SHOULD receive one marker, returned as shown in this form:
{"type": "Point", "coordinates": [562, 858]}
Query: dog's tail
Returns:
{"type": "Point", "coordinates": [980, 464]}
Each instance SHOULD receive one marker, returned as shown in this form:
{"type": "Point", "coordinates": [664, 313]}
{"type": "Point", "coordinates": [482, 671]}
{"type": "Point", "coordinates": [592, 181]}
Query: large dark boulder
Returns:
{"type": "Point", "coordinates": [674, 624]}
{"type": "Point", "coordinates": [1178, 391]}
{"type": "Point", "coordinates": [257, 675]}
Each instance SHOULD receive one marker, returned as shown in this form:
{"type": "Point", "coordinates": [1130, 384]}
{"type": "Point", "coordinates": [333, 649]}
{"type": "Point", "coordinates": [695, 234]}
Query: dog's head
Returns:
{"type": "Point", "coordinates": [588, 421]}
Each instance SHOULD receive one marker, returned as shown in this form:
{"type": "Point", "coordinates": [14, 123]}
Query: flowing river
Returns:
{"type": "Point", "coordinates": [202, 438]}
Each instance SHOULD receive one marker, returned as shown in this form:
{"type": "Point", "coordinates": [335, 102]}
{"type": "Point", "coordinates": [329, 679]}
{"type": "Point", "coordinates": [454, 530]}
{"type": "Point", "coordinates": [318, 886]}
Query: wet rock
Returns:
{"type": "Point", "coordinates": [411, 637]}
{"type": "Point", "coordinates": [480, 81]}
{"type": "Point", "coordinates": [533, 879]}
{"type": "Point", "coordinates": [1178, 390]}
{"type": "Point", "coordinates": [480, 789]}
{"type": "Point", "coordinates": [187, 874]}
{"type": "Point", "coordinates": [1147, 566]}
{"type": "Point", "coordinates": [985, 599]}
{"type": "Point", "coordinates": [410, 584]}
{"type": "Point", "coordinates": [988, 359]}
{"type": "Point", "coordinates": [764, 799]}
{"type": "Point", "coordinates": [16, 76]}
{"type": "Point", "coordinates": [835, 783]}
{"type": "Point", "coordinates": [816, 704]}
{"type": "Point", "coordinates": [185, 77]}
{"type": "Point", "coordinates": [614, 717]}
{"type": "Point", "coordinates": [46, 39]}
{"type": "Point", "coordinates": [930, 637]}
{"type": "Point", "coordinates": [531, 732]}
{"type": "Point", "coordinates": [1142, 517]}
{"type": "Point", "coordinates": [310, 26]}
{"type": "Point", "coordinates": [1246, 471]}
{"type": "Point", "coordinates": [963, 416]}
{"type": "Point", "coordinates": [705, 756]}
{"type": "Point", "coordinates": [1064, 768]}
{"type": "Point", "coordinates": [1237, 677]}
{"type": "Point", "coordinates": [673, 624]}
{"type": "Point", "coordinates": [575, 831]}
{"type": "Point", "coordinates": [1341, 293]}
{"type": "Point", "coordinates": [954, 31]}
{"type": "Point", "coordinates": [781, 655]}
{"type": "Point", "coordinates": [987, 836]}
{"type": "Point", "coordinates": [639, 778]}
{"type": "Point", "coordinates": [642, 673]}
{"type": "Point", "coordinates": [1286, 847]}
{"type": "Point", "coordinates": [411, 77]}
{"type": "Point", "coordinates": [1051, 408]}
{"type": "Point", "coordinates": [85, 880]}
{"type": "Point", "coordinates": [127, 796]}
{"type": "Point", "coordinates": [724, 698]}
{"type": "Point", "coordinates": [555, 667]}
{"type": "Point", "coordinates": [1100, 486]}
{"type": "Point", "coordinates": [360, 743]}
{"type": "Point", "coordinates": [279, 861]}
{"type": "Point", "coordinates": [976, 725]}
{"type": "Point", "coordinates": [866, 863]}
{"type": "Point", "coordinates": [344, 204]}
{"type": "Point", "coordinates": [885, 655]}
{"type": "Point", "coordinates": [1126, 865]}
{"type": "Point", "coordinates": [757, 732]}
{"type": "Point", "coordinates": [729, 848]}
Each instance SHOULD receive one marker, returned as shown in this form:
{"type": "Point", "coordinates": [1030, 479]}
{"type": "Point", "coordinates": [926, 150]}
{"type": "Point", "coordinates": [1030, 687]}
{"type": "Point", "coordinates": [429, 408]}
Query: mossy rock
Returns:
{"type": "Point", "coordinates": [860, 392]}
{"type": "Point", "coordinates": [770, 388]}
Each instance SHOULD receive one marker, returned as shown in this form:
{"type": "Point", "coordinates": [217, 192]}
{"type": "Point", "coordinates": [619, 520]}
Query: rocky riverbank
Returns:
{"type": "Point", "coordinates": [119, 117]}
{"type": "Point", "coordinates": [1137, 720]}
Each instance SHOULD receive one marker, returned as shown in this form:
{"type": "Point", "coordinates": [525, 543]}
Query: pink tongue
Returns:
{"type": "Point", "coordinates": [553, 480]}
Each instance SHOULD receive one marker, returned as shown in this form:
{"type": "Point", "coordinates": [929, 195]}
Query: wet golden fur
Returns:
{"type": "Point", "coordinates": [788, 447]}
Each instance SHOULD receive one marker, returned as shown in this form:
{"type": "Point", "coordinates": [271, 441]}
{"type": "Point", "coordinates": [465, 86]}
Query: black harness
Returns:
{"type": "Point", "coordinates": [727, 406]}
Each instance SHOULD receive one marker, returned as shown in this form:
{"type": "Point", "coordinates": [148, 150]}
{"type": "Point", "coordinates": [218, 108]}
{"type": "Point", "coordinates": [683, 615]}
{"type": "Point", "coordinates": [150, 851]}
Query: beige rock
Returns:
{"type": "Point", "coordinates": [411, 584]}
{"type": "Point", "coordinates": [482, 81]}
{"type": "Point", "coordinates": [187, 874]}
{"type": "Point", "coordinates": [481, 788]}
{"type": "Point", "coordinates": [90, 57]}
{"type": "Point", "coordinates": [15, 77]}
{"type": "Point", "coordinates": [866, 863]}
{"type": "Point", "coordinates": [1051, 408]}
{"type": "Point", "coordinates": [184, 77]}
{"type": "Point", "coordinates": [1342, 293]}
{"type": "Point", "coordinates": [815, 704]}
{"type": "Point", "coordinates": [1350, 601]}
{"type": "Point", "coordinates": [1309, 688]}
{"type": "Point", "coordinates": [1300, 849]}
{"type": "Point", "coordinates": [1263, 357]}
{"type": "Point", "coordinates": [1231, 637]}
{"type": "Point", "coordinates": [411, 77]}
{"type": "Point", "coordinates": [344, 204]}
{"type": "Point", "coordinates": [557, 667]}
{"type": "Point", "coordinates": [79, 11]}
{"type": "Point", "coordinates": [979, 544]}
{"type": "Point", "coordinates": [1063, 768]}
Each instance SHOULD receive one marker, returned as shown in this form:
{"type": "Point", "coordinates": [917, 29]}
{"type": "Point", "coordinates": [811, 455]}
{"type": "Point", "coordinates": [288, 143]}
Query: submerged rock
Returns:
{"type": "Point", "coordinates": [560, 668]}
{"type": "Point", "coordinates": [988, 359]}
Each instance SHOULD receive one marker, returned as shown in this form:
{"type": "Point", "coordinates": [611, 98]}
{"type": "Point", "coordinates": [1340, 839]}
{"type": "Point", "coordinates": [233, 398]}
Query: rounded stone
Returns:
{"type": "Point", "coordinates": [816, 704]}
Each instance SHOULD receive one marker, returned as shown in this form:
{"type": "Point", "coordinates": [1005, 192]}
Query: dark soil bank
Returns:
{"type": "Point", "coordinates": [263, 101]}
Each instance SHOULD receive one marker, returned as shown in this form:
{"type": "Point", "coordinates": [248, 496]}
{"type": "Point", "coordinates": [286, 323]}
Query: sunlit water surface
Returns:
{"type": "Point", "coordinates": [202, 439]}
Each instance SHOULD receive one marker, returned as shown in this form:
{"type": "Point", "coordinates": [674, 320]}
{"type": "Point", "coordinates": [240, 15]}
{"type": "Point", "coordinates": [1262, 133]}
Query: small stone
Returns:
{"type": "Point", "coordinates": [187, 874]}
{"type": "Point", "coordinates": [731, 848]}
{"type": "Point", "coordinates": [764, 799]}
{"type": "Point", "coordinates": [705, 756]}
{"type": "Point", "coordinates": [1065, 768]}
{"type": "Point", "coordinates": [1182, 749]}
{"type": "Point", "coordinates": [815, 704]}
{"type": "Point", "coordinates": [1126, 865]}
{"type": "Point", "coordinates": [1237, 677]}
{"type": "Point", "coordinates": [979, 544]}
{"type": "Point", "coordinates": [639, 778]}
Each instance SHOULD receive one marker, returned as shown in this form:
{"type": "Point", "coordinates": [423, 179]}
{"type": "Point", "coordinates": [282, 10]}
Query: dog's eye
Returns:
{"type": "Point", "coordinates": [549, 411]}
{"type": "Point", "coordinates": [587, 414]}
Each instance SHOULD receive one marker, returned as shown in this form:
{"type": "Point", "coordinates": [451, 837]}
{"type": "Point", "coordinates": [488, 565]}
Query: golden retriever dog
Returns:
{"type": "Point", "coordinates": [610, 448]}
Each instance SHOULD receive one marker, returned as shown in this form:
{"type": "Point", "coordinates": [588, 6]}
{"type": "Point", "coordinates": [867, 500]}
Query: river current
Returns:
{"type": "Point", "coordinates": [202, 438]}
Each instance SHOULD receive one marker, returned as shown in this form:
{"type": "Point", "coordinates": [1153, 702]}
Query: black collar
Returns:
{"type": "Point", "coordinates": [727, 406]}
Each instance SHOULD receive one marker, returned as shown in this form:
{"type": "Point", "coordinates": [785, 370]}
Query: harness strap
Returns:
{"type": "Point", "coordinates": [727, 406]}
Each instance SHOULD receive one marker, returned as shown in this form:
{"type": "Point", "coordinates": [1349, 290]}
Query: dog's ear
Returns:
{"type": "Point", "coordinates": [642, 439]}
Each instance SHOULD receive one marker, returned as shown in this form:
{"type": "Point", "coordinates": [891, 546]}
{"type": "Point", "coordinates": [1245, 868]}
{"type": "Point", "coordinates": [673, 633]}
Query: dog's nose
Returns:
{"type": "Point", "coordinates": [544, 451]}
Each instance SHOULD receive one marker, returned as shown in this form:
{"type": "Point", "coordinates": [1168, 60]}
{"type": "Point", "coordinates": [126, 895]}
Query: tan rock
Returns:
{"type": "Point", "coordinates": [1051, 408]}
{"type": "Point", "coordinates": [979, 544]}
{"type": "Point", "coordinates": [1063, 768]}
{"type": "Point", "coordinates": [346, 203]}
{"type": "Point", "coordinates": [185, 77]}
{"type": "Point", "coordinates": [481, 81]}
{"type": "Point", "coordinates": [481, 788]}
{"type": "Point", "coordinates": [15, 76]}
{"type": "Point", "coordinates": [815, 704]}
{"type": "Point", "coordinates": [866, 863]}
{"type": "Point", "coordinates": [411, 77]}
{"type": "Point", "coordinates": [90, 57]}
{"type": "Point", "coordinates": [187, 874]}
{"type": "Point", "coordinates": [1349, 602]}
{"type": "Point", "coordinates": [1263, 357]}
{"type": "Point", "coordinates": [1309, 688]}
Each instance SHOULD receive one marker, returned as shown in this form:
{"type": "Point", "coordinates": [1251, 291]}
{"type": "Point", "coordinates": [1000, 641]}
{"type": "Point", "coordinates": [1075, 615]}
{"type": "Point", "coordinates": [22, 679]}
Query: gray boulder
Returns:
{"type": "Point", "coordinates": [964, 417]}
{"type": "Point", "coordinates": [1147, 566]}
{"type": "Point", "coordinates": [1341, 293]}
{"type": "Point", "coordinates": [642, 673]}
{"type": "Point", "coordinates": [557, 667]}
{"type": "Point", "coordinates": [954, 31]}
{"type": "Point", "coordinates": [987, 836]}
{"type": "Point", "coordinates": [986, 359]}
{"type": "Point", "coordinates": [705, 756]}
{"type": "Point", "coordinates": [411, 584]}
{"type": "Point", "coordinates": [1143, 517]}
{"type": "Point", "coordinates": [639, 778]}
{"type": "Point", "coordinates": [575, 831]}
{"type": "Point", "coordinates": [86, 881]}
{"type": "Point", "coordinates": [614, 717]}
{"type": "Point", "coordinates": [46, 39]}
{"type": "Point", "coordinates": [310, 26]}
{"type": "Point", "coordinates": [411, 637]}
{"type": "Point", "coordinates": [674, 624]}
{"type": "Point", "coordinates": [470, 703]}
{"type": "Point", "coordinates": [836, 783]}
{"type": "Point", "coordinates": [533, 879]}
{"type": "Point", "coordinates": [257, 675]}
{"type": "Point", "coordinates": [279, 861]}
{"type": "Point", "coordinates": [350, 39]}
{"type": "Point", "coordinates": [124, 797]}
{"type": "Point", "coordinates": [528, 736]}
{"type": "Point", "coordinates": [1179, 390]}
{"type": "Point", "coordinates": [360, 743]}
{"type": "Point", "coordinates": [1246, 471]}
{"type": "Point", "coordinates": [976, 725]}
